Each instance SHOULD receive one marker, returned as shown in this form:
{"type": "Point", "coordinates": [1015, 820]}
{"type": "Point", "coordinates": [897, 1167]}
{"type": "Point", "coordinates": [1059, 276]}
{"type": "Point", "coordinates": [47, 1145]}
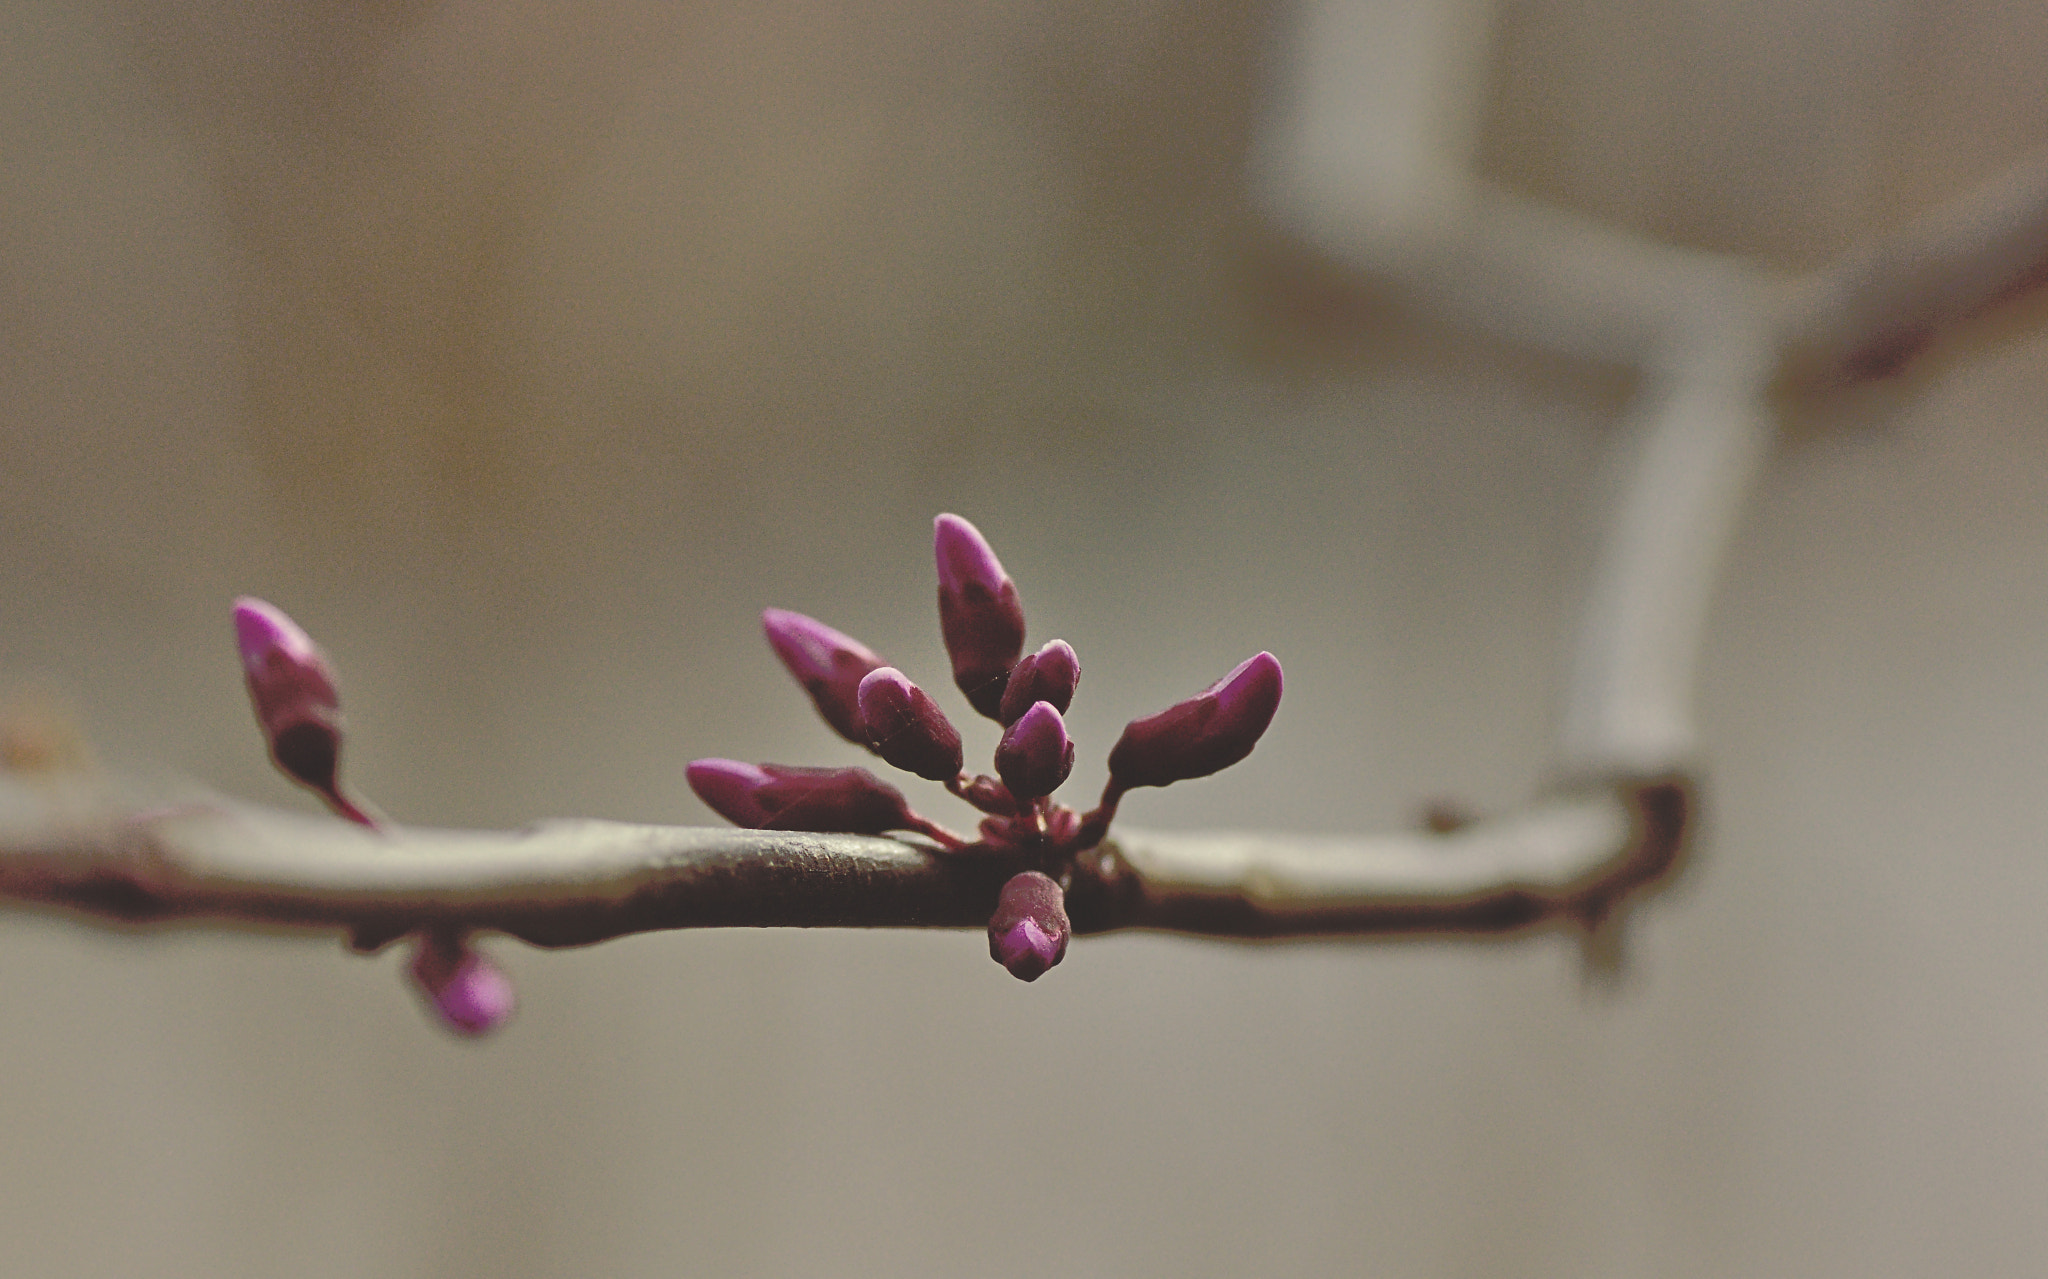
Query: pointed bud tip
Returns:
{"type": "Point", "coordinates": [1039, 735]}
{"type": "Point", "coordinates": [964, 556]}
{"type": "Point", "coordinates": [828, 664]}
{"type": "Point", "coordinates": [725, 772]}
{"type": "Point", "coordinates": [728, 787]}
{"type": "Point", "coordinates": [1256, 676]}
{"type": "Point", "coordinates": [885, 682]}
{"type": "Point", "coordinates": [807, 639]}
{"type": "Point", "coordinates": [262, 628]}
{"type": "Point", "coordinates": [1026, 951]}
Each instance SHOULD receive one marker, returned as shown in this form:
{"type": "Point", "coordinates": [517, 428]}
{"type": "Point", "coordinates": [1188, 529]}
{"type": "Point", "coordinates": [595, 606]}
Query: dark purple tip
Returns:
{"type": "Point", "coordinates": [907, 728]}
{"type": "Point", "coordinates": [292, 692]}
{"type": "Point", "coordinates": [1029, 931]}
{"type": "Point", "coordinates": [850, 801]}
{"type": "Point", "coordinates": [1049, 675]}
{"type": "Point", "coordinates": [1197, 737]}
{"type": "Point", "coordinates": [472, 995]}
{"type": "Point", "coordinates": [829, 666]}
{"type": "Point", "coordinates": [1036, 754]}
{"type": "Point", "coordinates": [979, 614]}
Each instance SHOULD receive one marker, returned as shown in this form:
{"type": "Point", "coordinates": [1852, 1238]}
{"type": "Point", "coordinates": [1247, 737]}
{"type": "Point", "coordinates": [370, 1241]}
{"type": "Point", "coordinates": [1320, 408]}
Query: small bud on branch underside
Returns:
{"type": "Point", "coordinates": [472, 996]}
{"type": "Point", "coordinates": [1028, 933]}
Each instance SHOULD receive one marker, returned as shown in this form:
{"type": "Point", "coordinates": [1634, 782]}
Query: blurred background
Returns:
{"type": "Point", "coordinates": [524, 352]}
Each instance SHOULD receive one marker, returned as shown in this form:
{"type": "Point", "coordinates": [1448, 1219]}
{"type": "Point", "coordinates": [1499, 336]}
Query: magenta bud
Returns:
{"type": "Point", "coordinates": [472, 995]}
{"type": "Point", "coordinates": [830, 666]}
{"type": "Point", "coordinates": [1035, 754]}
{"type": "Point", "coordinates": [1195, 738]}
{"type": "Point", "coordinates": [907, 728]}
{"type": "Point", "coordinates": [731, 789]}
{"type": "Point", "coordinates": [979, 614]}
{"type": "Point", "coordinates": [850, 801]}
{"type": "Point", "coordinates": [1049, 675]}
{"type": "Point", "coordinates": [292, 691]}
{"type": "Point", "coordinates": [1028, 933]}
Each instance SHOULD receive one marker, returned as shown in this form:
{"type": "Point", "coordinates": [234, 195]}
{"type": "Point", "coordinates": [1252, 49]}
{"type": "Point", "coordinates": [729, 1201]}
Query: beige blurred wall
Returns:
{"type": "Point", "coordinates": [525, 352]}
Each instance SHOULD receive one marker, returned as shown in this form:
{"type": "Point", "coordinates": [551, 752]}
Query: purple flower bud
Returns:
{"type": "Point", "coordinates": [1197, 737]}
{"type": "Point", "coordinates": [1036, 754]}
{"type": "Point", "coordinates": [1028, 933]}
{"type": "Point", "coordinates": [472, 995]}
{"type": "Point", "coordinates": [907, 728]}
{"type": "Point", "coordinates": [731, 788]}
{"type": "Point", "coordinates": [979, 615]}
{"type": "Point", "coordinates": [850, 801]}
{"type": "Point", "coordinates": [292, 691]}
{"type": "Point", "coordinates": [830, 666]}
{"type": "Point", "coordinates": [1049, 675]}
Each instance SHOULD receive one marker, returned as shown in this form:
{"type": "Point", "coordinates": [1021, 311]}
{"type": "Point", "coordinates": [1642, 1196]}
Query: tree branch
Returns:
{"type": "Point", "coordinates": [1882, 305]}
{"type": "Point", "coordinates": [115, 856]}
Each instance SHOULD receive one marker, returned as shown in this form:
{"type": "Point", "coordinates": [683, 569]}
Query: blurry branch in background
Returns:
{"type": "Point", "coordinates": [1369, 160]}
{"type": "Point", "coordinates": [1369, 163]}
{"type": "Point", "coordinates": [1872, 313]}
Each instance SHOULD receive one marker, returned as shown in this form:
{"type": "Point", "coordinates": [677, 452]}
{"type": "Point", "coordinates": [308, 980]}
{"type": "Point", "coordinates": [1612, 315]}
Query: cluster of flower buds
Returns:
{"type": "Point", "coordinates": [872, 704]}
{"type": "Point", "coordinates": [292, 690]}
